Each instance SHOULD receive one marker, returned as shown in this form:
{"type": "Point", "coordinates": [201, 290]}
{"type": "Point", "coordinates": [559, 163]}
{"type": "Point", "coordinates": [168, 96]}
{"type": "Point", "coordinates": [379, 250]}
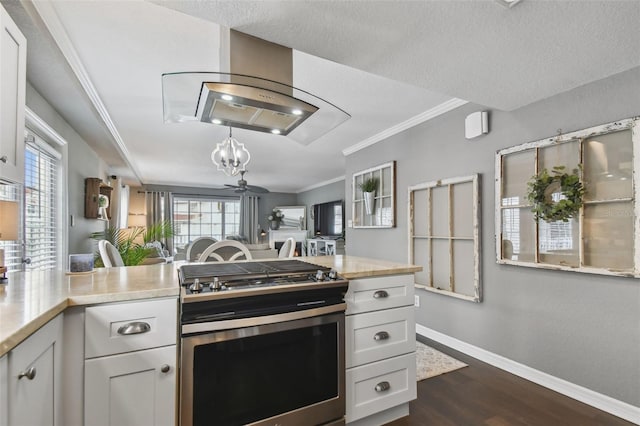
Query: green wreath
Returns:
{"type": "Point", "coordinates": [542, 186]}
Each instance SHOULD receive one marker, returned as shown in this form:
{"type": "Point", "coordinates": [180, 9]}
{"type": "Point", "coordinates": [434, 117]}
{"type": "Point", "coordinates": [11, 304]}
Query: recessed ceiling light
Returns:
{"type": "Point", "coordinates": [296, 112]}
{"type": "Point", "coordinates": [216, 121]}
{"type": "Point", "coordinates": [508, 3]}
{"type": "Point", "coordinates": [227, 97]}
{"type": "Point", "coordinates": [275, 131]}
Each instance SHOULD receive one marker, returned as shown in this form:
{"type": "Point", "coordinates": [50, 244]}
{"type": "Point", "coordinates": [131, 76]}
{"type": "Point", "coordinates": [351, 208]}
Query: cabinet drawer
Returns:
{"type": "Point", "coordinates": [372, 294]}
{"type": "Point", "coordinates": [374, 336]}
{"type": "Point", "coordinates": [126, 327]}
{"type": "Point", "coordinates": [380, 385]}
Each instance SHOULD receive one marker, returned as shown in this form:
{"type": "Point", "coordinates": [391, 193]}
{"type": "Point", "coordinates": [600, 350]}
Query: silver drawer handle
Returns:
{"type": "Point", "coordinates": [136, 327]}
{"type": "Point", "coordinates": [380, 294]}
{"type": "Point", "coordinates": [381, 335]}
{"type": "Point", "coordinates": [4, 159]}
{"type": "Point", "coordinates": [382, 386]}
{"type": "Point", "coordinates": [29, 374]}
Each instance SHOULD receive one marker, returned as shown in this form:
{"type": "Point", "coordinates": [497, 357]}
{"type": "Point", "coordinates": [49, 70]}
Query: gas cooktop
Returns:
{"type": "Point", "coordinates": [216, 278]}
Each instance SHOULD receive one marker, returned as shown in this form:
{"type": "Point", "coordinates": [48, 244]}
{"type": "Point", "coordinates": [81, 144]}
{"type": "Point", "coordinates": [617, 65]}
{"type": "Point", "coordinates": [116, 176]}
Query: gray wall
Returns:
{"type": "Point", "coordinates": [579, 327]}
{"type": "Point", "coordinates": [83, 162]}
{"type": "Point", "coordinates": [330, 192]}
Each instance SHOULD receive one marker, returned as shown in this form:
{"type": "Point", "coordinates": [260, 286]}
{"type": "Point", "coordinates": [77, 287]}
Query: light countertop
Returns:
{"type": "Point", "coordinates": [31, 299]}
{"type": "Point", "coordinates": [351, 267]}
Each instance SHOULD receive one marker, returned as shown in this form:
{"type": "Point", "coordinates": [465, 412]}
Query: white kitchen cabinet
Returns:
{"type": "Point", "coordinates": [13, 61]}
{"type": "Point", "coordinates": [4, 383]}
{"type": "Point", "coordinates": [380, 349]}
{"type": "Point", "coordinates": [130, 365]}
{"type": "Point", "coordinates": [33, 375]}
{"type": "Point", "coordinates": [131, 389]}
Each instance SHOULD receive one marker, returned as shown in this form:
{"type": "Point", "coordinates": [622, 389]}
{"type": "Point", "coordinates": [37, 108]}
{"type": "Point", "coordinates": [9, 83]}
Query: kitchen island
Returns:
{"type": "Point", "coordinates": [33, 302]}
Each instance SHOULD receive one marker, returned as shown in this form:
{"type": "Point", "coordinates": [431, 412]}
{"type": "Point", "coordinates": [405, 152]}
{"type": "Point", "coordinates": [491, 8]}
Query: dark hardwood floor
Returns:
{"type": "Point", "coordinates": [481, 394]}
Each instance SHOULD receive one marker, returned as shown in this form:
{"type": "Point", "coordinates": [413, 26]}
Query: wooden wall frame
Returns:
{"type": "Point", "coordinates": [444, 236]}
{"type": "Point", "coordinates": [385, 203]}
{"type": "Point", "coordinates": [604, 238]}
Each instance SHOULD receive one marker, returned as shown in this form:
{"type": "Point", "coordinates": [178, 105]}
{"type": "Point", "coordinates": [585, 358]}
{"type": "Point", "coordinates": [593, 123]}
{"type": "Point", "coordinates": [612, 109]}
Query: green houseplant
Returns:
{"type": "Point", "coordinates": [369, 187]}
{"type": "Point", "coordinates": [131, 242]}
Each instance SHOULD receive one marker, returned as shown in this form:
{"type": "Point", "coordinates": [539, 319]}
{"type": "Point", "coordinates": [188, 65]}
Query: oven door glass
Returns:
{"type": "Point", "coordinates": [250, 374]}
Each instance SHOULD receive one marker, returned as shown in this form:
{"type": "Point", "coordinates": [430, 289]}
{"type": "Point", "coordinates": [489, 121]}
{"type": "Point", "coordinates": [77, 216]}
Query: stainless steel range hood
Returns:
{"type": "Point", "coordinates": [254, 90]}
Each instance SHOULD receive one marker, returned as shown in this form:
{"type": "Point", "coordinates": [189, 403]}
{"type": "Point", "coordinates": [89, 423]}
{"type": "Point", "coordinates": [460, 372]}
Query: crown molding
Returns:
{"type": "Point", "coordinates": [413, 121]}
{"type": "Point", "coordinates": [320, 184]}
{"type": "Point", "coordinates": [49, 16]}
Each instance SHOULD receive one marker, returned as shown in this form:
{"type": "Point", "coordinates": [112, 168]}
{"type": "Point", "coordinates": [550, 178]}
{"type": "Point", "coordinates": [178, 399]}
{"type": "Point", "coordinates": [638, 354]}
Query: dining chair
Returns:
{"type": "Point", "coordinates": [288, 248]}
{"type": "Point", "coordinates": [226, 250]}
{"type": "Point", "coordinates": [109, 254]}
{"type": "Point", "coordinates": [197, 246]}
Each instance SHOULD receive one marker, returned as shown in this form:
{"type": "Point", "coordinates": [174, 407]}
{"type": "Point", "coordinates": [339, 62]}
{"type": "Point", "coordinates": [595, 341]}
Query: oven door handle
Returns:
{"type": "Point", "coordinates": [261, 320]}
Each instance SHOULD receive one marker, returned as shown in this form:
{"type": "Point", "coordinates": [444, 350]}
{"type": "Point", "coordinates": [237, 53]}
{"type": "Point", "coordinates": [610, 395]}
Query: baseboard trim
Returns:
{"type": "Point", "coordinates": [602, 402]}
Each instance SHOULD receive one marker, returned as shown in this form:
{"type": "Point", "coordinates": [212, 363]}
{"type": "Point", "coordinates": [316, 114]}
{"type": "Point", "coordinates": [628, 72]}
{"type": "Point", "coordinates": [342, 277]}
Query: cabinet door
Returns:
{"type": "Point", "coordinates": [13, 57]}
{"type": "Point", "coordinates": [132, 389]}
{"type": "Point", "coordinates": [34, 377]}
{"type": "Point", "coordinates": [4, 383]}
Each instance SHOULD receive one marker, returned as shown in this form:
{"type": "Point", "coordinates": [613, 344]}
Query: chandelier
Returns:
{"type": "Point", "coordinates": [230, 156]}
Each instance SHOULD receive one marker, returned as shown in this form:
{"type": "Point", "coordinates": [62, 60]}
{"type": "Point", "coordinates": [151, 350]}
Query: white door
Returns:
{"type": "Point", "coordinates": [131, 389]}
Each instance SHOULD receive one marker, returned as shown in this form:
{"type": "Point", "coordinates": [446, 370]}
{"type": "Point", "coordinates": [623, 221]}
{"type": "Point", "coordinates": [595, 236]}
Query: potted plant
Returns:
{"type": "Point", "coordinates": [369, 187]}
{"type": "Point", "coordinates": [275, 218]}
{"type": "Point", "coordinates": [132, 242]}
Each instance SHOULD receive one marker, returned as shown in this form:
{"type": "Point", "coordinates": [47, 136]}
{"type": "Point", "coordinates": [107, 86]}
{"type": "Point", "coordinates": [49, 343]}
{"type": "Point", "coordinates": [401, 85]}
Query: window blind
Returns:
{"type": "Point", "coordinates": [41, 215]}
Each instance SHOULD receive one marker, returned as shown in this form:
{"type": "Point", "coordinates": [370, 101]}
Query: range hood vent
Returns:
{"type": "Point", "coordinates": [253, 91]}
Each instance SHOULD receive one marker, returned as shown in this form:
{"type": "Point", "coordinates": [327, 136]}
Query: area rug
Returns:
{"type": "Point", "coordinates": [430, 362]}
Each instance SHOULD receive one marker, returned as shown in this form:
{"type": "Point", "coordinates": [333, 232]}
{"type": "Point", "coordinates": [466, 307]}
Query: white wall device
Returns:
{"type": "Point", "coordinates": [476, 124]}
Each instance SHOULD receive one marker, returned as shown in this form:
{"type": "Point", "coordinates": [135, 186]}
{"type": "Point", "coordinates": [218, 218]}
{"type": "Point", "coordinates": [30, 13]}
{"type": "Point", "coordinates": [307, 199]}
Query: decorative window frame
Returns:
{"type": "Point", "coordinates": [470, 232]}
{"type": "Point", "coordinates": [383, 217]}
{"type": "Point", "coordinates": [581, 137]}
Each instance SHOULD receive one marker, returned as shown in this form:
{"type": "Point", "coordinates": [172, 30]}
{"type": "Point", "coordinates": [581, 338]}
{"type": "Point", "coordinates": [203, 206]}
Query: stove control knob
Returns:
{"type": "Point", "coordinates": [333, 275]}
{"type": "Point", "coordinates": [320, 275]}
{"type": "Point", "coordinates": [196, 287]}
{"type": "Point", "coordinates": [215, 285]}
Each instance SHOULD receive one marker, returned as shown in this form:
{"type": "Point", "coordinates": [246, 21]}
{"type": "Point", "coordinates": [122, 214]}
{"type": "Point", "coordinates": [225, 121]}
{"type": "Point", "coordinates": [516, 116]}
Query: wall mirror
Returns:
{"type": "Point", "coordinates": [375, 208]}
{"type": "Point", "coordinates": [444, 236]}
{"type": "Point", "coordinates": [295, 217]}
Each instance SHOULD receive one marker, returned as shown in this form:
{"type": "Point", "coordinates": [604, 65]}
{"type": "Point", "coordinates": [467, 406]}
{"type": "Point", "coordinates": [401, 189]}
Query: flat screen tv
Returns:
{"type": "Point", "coordinates": [328, 219]}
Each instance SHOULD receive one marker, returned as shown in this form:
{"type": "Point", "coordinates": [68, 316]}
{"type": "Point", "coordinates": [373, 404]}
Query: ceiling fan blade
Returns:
{"type": "Point", "coordinates": [229, 186]}
{"type": "Point", "coordinates": [257, 189]}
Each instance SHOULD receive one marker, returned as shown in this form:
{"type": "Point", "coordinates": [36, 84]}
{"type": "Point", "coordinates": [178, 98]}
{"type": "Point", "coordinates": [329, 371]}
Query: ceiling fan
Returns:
{"type": "Point", "coordinates": [243, 187]}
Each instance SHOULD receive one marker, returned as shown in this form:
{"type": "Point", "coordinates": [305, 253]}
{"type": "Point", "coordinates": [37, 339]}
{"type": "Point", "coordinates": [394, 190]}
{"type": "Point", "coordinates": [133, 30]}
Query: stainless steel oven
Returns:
{"type": "Point", "coordinates": [264, 350]}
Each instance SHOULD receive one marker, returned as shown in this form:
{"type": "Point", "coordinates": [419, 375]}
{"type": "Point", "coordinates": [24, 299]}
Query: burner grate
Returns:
{"type": "Point", "coordinates": [245, 269]}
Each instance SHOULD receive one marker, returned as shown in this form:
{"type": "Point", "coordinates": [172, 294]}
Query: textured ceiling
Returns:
{"type": "Point", "coordinates": [384, 62]}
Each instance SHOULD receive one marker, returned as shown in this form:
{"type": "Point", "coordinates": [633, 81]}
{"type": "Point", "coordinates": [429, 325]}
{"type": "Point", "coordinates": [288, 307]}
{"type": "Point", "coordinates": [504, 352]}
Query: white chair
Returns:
{"type": "Point", "coordinates": [288, 248]}
{"type": "Point", "coordinates": [226, 250]}
{"type": "Point", "coordinates": [109, 254]}
{"type": "Point", "coordinates": [197, 246]}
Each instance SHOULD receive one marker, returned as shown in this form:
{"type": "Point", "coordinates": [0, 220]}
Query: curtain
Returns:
{"type": "Point", "coordinates": [249, 222]}
{"type": "Point", "coordinates": [118, 204]}
{"type": "Point", "coordinates": [159, 207]}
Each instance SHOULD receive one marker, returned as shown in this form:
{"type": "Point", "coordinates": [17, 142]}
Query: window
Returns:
{"type": "Point", "coordinates": [444, 236]}
{"type": "Point", "coordinates": [41, 205]}
{"type": "Point", "coordinates": [602, 238]}
{"type": "Point", "coordinates": [195, 217]}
